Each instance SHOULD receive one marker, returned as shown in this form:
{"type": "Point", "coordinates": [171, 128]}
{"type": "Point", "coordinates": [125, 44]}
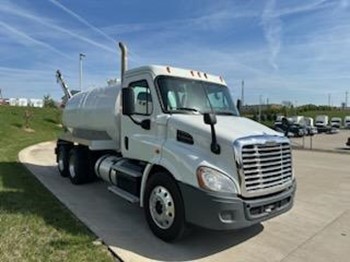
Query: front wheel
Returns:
{"type": "Point", "coordinates": [164, 209]}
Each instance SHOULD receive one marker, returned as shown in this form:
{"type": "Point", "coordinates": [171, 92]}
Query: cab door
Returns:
{"type": "Point", "coordinates": [139, 142]}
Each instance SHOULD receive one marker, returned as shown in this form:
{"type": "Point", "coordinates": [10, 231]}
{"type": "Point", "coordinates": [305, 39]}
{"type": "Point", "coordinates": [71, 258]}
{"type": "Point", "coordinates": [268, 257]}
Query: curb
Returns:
{"type": "Point", "coordinates": [345, 152]}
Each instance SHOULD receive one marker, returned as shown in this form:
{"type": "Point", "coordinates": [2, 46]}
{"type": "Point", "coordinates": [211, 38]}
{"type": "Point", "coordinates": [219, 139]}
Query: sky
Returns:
{"type": "Point", "coordinates": [294, 51]}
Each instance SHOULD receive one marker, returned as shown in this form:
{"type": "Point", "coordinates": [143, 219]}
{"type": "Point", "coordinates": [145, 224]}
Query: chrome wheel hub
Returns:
{"type": "Point", "coordinates": [161, 205]}
{"type": "Point", "coordinates": [71, 167]}
{"type": "Point", "coordinates": [60, 162]}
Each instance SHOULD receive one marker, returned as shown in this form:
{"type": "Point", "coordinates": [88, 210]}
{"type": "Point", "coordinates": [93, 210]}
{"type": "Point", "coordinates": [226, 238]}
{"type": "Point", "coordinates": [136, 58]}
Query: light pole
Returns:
{"type": "Point", "coordinates": [81, 56]}
{"type": "Point", "coordinates": [242, 95]}
{"type": "Point", "coordinates": [260, 101]}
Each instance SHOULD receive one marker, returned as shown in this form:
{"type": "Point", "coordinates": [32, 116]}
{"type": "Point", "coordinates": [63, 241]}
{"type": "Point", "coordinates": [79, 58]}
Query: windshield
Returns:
{"type": "Point", "coordinates": [179, 95]}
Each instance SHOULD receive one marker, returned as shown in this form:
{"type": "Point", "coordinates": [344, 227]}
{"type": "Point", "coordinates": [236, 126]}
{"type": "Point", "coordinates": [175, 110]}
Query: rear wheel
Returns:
{"type": "Point", "coordinates": [79, 165]}
{"type": "Point", "coordinates": [164, 209]}
{"type": "Point", "coordinates": [62, 160]}
{"type": "Point", "coordinates": [62, 157]}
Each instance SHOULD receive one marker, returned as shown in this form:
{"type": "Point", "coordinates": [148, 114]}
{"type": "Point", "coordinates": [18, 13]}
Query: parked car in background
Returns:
{"type": "Point", "coordinates": [309, 126]}
{"type": "Point", "coordinates": [332, 130]}
{"type": "Point", "coordinates": [291, 130]}
{"type": "Point", "coordinates": [348, 142]}
{"type": "Point", "coordinates": [310, 130]}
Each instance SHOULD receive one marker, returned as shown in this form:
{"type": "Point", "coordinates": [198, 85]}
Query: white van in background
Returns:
{"type": "Point", "coordinates": [336, 122]}
{"type": "Point", "coordinates": [347, 122]}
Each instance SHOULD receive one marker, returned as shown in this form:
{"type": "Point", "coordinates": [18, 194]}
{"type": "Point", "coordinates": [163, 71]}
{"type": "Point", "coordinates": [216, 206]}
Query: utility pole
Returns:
{"type": "Point", "coordinates": [346, 99]}
{"type": "Point", "coordinates": [260, 101]}
{"type": "Point", "coordinates": [242, 95]}
{"type": "Point", "coordinates": [81, 56]}
{"type": "Point", "coordinates": [329, 100]}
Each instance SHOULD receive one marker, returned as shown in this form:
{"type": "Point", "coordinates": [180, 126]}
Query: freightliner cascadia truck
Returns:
{"type": "Point", "coordinates": [172, 141]}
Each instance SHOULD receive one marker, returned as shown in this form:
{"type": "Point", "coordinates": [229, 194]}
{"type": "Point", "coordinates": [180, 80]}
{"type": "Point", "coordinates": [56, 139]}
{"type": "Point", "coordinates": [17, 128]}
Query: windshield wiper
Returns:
{"type": "Point", "coordinates": [187, 109]}
{"type": "Point", "coordinates": [225, 113]}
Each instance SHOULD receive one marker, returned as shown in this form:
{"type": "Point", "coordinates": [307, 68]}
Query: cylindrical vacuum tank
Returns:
{"type": "Point", "coordinates": [103, 168]}
{"type": "Point", "coordinates": [95, 112]}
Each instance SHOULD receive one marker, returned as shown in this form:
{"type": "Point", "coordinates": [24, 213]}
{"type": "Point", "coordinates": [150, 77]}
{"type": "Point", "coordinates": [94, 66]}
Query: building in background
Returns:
{"type": "Point", "coordinates": [23, 102]}
{"type": "Point", "coordinates": [36, 102]}
{"type": "Point", "coordinates": [13, 101]}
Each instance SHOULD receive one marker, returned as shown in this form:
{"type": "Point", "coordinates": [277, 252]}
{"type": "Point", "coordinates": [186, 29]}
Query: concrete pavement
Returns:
{"type": "Point", "coordinates": [324, 142]}
{"type": "Point", "coordinates": [316, 229]}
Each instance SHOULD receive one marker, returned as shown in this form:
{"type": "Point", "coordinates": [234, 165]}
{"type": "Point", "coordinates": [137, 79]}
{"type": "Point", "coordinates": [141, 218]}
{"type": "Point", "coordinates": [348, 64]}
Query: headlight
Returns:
{"type": "Point", "coordinates": [214, 180]}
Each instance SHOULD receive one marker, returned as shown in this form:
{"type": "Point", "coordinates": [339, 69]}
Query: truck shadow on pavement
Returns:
{"type": "Point", "coordinates": [345, 149]}
{"type": "Point", "coordinates": [119, 224]}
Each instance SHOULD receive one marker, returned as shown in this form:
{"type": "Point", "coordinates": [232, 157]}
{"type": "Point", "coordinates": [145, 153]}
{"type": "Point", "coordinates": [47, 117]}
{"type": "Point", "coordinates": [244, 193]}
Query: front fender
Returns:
{"type": "Point", "coordinates": [182, 161]}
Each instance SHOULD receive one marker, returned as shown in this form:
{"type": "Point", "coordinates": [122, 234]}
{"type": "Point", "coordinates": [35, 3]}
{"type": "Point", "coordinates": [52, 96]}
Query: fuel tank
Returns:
{"type": "Point", "coordinates": [94, 114]}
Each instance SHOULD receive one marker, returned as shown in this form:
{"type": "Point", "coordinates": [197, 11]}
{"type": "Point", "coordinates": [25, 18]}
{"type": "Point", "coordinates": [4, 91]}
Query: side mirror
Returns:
{"type": "Point", "coordinates": [128, 101]}
{"type": "Point", "coordinates": [239, 104]}
{"type": "Point", "coordinates": [209, 118]}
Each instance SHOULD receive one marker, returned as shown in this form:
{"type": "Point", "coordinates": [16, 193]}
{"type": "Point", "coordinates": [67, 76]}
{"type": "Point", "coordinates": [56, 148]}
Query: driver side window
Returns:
{"type": "Point", "coordinates": [143, 99]}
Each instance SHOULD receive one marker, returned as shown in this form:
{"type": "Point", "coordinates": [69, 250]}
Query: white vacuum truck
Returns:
{"type": "Point", "coordinates": [172, 141]}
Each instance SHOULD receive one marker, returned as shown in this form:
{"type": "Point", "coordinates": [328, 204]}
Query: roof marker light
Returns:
{"type": "Point", "coordinates": [192, 73]}
{"type": "Point", "coordinates": [205, 75]}
{"type": "Point", "coordinates": [221, 79]}
{"type": "Point", "coordinates": [168, 69]}
{"type": "Point", "coordinates": [199, 74]}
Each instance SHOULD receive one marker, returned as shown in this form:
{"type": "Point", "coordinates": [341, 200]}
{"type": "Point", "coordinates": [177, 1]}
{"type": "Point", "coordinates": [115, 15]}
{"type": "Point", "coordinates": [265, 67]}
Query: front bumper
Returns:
{"type": "Point", "coordinates": [215, 211]}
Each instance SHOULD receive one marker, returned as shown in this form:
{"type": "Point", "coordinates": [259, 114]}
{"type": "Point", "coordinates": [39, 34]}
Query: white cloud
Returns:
{"type": "Point", "coordinates": [25, 39]}
{"type": "Point", "coordinates": [81, 19]}
{"type": "Point", "coordinates": [18, 11]}
{"type": "Point", "coordinates": [272, 26]}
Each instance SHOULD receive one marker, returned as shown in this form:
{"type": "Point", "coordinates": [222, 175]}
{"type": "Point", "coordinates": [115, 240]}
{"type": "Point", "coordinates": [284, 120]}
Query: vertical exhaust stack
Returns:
{"type": "Point", "coordinates": [124, 61]}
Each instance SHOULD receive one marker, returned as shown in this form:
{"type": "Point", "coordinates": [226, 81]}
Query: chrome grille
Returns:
{"type": "Point", "coordinates": [265, 166]}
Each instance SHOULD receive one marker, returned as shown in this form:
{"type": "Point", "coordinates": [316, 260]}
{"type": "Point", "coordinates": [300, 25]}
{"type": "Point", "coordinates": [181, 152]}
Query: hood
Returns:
{"type": "Point", "coordinates": [228, 128]}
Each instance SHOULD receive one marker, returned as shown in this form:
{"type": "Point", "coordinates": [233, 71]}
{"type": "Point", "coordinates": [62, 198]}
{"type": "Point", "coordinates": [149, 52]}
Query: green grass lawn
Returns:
{"type": "Point", "coordinates": [34, 225]}
{"type": "Point", "coordinates": [330, 114]}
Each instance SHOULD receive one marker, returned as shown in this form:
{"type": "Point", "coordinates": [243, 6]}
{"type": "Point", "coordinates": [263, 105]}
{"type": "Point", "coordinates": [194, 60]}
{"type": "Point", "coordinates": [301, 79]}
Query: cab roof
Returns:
{"type": "Point", "coordinates": [177, 72]}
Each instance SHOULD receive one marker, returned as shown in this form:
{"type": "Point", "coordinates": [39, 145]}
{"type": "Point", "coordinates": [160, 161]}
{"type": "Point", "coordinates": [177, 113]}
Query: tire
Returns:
{"type": "Point", "coordinates": [62, 160]}
{"type": "Point", "coordinates": [78, 165]}
{"type": "Point", "coordinates": [164, 208]}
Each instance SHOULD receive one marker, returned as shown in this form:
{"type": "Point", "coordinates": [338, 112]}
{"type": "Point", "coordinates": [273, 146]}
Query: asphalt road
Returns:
{"type": "Point", "coordinates": [316, 229]}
